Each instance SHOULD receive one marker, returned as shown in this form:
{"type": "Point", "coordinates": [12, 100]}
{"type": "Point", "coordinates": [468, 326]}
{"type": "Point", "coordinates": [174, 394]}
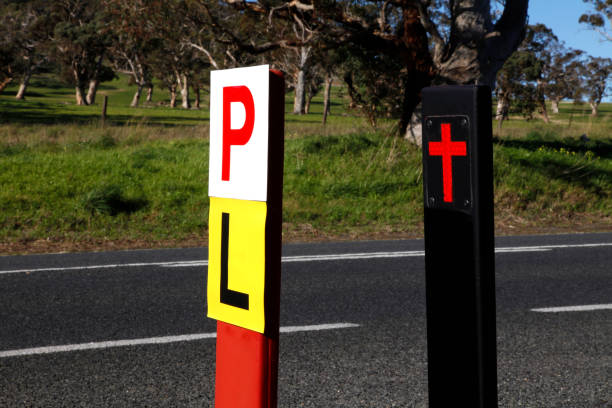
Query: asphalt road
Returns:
{"type": "Point", "coordinates": [90, 302]}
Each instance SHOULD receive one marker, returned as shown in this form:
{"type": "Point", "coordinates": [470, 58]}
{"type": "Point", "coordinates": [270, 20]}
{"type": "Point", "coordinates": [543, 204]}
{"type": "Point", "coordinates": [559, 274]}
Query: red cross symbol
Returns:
{"type": "Point", "coordinates": [447, 149]}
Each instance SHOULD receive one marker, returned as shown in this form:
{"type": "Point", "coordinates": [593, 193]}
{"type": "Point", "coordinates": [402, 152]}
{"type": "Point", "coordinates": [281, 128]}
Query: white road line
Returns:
{"type": "Point", "coordinates": [582, 308]}
{"type": "Point", "coordinates": [354, 255]}
{"type": "Point", "coordinates": [156, 340]}
{"type": "Point", "coordinates": [318, 327]}
{"type": "Point", "coordinates": [107, 266]}
{"type": "Point", "coordinates": [306, 258]}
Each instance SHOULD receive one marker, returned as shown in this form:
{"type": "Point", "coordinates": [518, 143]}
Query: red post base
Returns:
{"type": "Point", "coordinates": [247, 367]}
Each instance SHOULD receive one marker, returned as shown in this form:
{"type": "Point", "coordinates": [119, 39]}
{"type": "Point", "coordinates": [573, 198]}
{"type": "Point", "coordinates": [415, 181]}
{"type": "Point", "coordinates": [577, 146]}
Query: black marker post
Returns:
{"type": "Point", "coordinates": [459, 247]}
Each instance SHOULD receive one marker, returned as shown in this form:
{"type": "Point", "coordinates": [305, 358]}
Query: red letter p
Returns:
{"type": "Point", "coordinates": [235, 137]}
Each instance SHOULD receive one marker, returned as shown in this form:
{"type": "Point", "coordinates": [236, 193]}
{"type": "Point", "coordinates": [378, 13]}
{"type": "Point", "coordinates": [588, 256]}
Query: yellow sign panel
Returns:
{"type": "Point", "coordinates": [236, 262]}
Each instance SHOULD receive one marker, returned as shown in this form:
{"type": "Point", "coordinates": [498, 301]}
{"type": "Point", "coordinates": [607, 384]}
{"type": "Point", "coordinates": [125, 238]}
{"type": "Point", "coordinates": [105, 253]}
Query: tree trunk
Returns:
{"type": "Point", "coordinates": [501, 113]}
{"type": "Point", "coordinates": [501, 110]}
{"type": "Point", "coordinates": [184, 85]}
{"type": "Point", "coordinates": [554, 106]}
{"type": "Point", "coordinates": [5, 83]}
{"type": "Point", "coordinates": [300, 95]}
{"type": "Point", "coordinates": [326, 98]}
{"type": "Point", "coordinates": [136, 97]}
{"type": "Point", "coordinates": [308, 101]}
{"type": "Point", "coordinates": [92, 91]}
{"type": "Point", "coordinates": [172, 89]}
{"type": "Point", "coordinates": [503, 105]}
{"type": "Point", "coordinates": [542, 100]}
{"type": "Point", "coordinates": [544, 111]}
{"type": "Point", "coordinates": [414, 129]}
{"type": "Point", "coordinates": [24, 85]}
{"type": "Point", "coordinates": [196, 91]}
{"type": "Point", "coordinates": [150, 93]}
{"type": "Point", "coordinates": [80, 95]}
{"type": "Point", "coordinates": [299, 103]}
{"type": "Point", "coordinates": [477, 49]}
{"type": "Point", "coordinates": [419, 70]}
{"type": "Point", "coordinates": [410, 121]}
{"type": "Point", "coordinates": [594, 108]}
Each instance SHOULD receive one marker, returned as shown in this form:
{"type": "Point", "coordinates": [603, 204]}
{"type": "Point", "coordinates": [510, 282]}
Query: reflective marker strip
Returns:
{"type": "Point", "coordinates": [583, 308]}
{"type": "Point", "coordinates": [156, 340]}
{"type": "Point", "coordinates": [307, 258]}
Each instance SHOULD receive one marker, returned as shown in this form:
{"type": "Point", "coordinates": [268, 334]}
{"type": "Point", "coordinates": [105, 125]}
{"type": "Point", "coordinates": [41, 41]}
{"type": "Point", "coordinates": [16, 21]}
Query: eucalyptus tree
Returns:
{"type": "Point", "coordinates": [599, 18]}
{"type": "Point", "coordinates": [563, 76]}
{"type": "Point", "coordinates": [6, 66]}
{"type": "Point", "coordinates": [412, 42]}
{"type": "Point", "coordinates": [541, 67]}
{"type": "Point", "coordinates": [597, 72]}
{"type": "Point", "coordinates": [8, 50]}
{"type": "Point", "coordinates": [536, 58]}
{"type": "Point", "coordinates": [516, 86]}
{"type": "Point", "coordinates": [80, 42]}
{"type": "Point", "coordinates": [175, 58]}
{"type": "Point", "coordinates": [134, 38]}
{"type": "Point", "coordinates": [24, 34]}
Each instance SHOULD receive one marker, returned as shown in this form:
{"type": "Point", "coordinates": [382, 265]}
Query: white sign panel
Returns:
{"type": "Point", "coordinates": [238, 165]}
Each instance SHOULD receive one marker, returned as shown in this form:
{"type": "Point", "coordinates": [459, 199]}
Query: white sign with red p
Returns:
{"type": "Point", "coordinates": [238, 166]}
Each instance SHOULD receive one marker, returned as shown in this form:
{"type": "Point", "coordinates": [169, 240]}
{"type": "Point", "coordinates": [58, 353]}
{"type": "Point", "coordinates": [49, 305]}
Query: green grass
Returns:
{"type": "Point", "coordinates": [361, 182]}
{"type": "Point", "coordinates": [49, 102]}
{"type": "Point", "coordinates": [103, 188]}
{"type": "Point", "coordinates": [142, 178]}
{"type": "Point", "coordinates": [545, 180]}
{"type": "Point", "coordinates": [572, 121]}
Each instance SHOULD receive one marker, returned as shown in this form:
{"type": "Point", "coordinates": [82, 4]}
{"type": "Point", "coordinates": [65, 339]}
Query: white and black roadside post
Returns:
{"type": "Point", "coordinates": [459, 246]}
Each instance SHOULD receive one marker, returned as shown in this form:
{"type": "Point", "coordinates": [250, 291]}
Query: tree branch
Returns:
{"type": "Point", "coordinates": [205, 51]}
{"type": "Point", "coordinates": [505, 36]}
{"type": "Point", "coordinates": [246, 46]}
{"type": "Point", "coordinates": [432, 30]}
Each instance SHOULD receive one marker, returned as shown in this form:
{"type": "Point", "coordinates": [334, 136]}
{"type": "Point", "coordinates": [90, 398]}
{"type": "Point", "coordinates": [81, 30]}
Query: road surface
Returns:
{"type": "Point", "coordinates": [129, 328]}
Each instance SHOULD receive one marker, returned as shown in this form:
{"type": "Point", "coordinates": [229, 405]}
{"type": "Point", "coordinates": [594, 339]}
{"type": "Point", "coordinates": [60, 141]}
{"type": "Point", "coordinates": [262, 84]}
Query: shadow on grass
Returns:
{"type": "Point", "coordinates": [600, 147]}
{"type": "Point", "coordinates": [48, 82]}
{"type": "Point", "coordinates": [589, 178]}
{"type": "Point", "coordinates": [582, 172]}
{"type": "Point", "coordinates": [38, 113]}
{"type": "Point", "coordinates": [584, 110]}
{"type": "Point", "coordinates": [111, 200]}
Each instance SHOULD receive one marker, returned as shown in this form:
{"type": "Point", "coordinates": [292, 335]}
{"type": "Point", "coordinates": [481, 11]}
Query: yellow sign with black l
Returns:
{"type": "Point", "coordinates": [236, 262]}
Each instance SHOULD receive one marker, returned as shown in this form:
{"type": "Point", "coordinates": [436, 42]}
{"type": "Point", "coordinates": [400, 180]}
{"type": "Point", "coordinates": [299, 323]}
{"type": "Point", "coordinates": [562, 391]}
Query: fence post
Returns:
{"type": "Point", "coordinates": [104, 107]}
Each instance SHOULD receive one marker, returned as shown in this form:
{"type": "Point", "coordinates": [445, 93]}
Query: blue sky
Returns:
{"type": "Point", "coordinates": [562, 16]}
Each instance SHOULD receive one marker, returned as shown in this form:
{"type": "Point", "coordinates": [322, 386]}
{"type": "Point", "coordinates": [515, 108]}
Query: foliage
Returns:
{"type": "Point", "coordinates": [563, 75]}
{"type": "Point", "coordinates": [24, 37]}
{"type": "Point", "coordinates": [398, 46]}
{"type": "Point", "coordinates": [517, 81]}
{"type": "Point", "coordinates": [597, 72]}
{"type": "Point", "coordinates": [79, 43]}
{"type": "Point", "coordinates": [596, 19]}
{"type": "Point", "coordinates": [390, 50]}
{"type": "Point", "coordinates": [541, 67]}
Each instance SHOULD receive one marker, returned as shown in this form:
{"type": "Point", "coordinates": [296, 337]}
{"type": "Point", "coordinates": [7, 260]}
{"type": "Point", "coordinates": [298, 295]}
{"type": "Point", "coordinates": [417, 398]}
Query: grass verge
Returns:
{"type": "Point", "coordinates": [69, 182]}
{"type": "Point", "coordinates": [123, 187]}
